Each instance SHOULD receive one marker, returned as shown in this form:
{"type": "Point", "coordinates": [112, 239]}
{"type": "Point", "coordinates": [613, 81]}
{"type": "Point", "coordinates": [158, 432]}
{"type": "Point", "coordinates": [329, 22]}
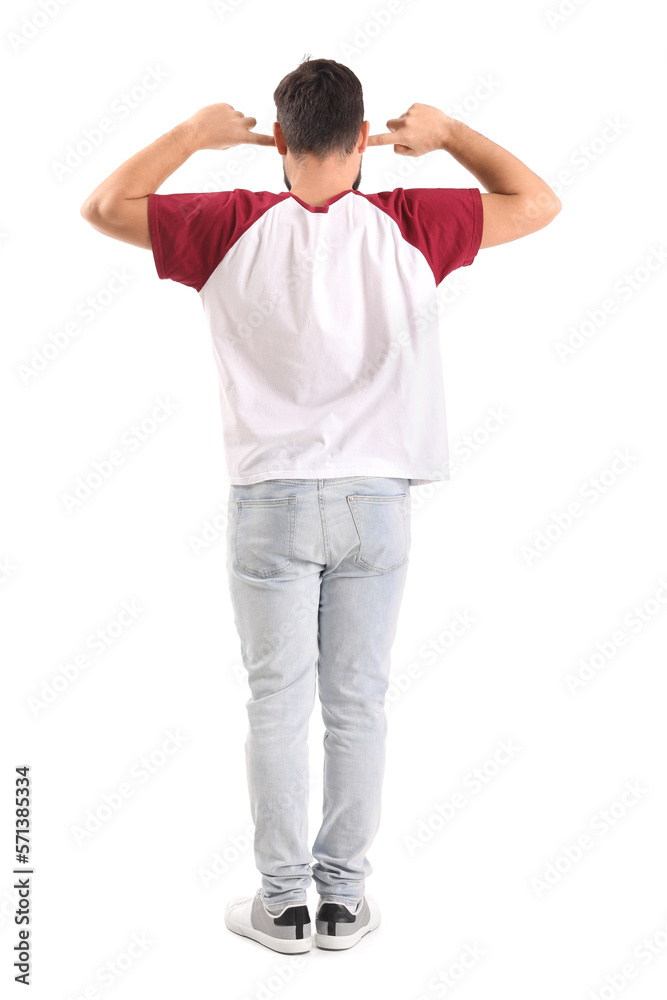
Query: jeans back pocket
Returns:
{"type": "Point", "coordinates": [264, 535]}
{"type": "Point", "coordinates": [382, 524]}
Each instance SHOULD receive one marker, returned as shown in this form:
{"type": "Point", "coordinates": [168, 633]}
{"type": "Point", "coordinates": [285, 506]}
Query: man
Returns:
{"type": "Point", "coordinates": [332, 408]}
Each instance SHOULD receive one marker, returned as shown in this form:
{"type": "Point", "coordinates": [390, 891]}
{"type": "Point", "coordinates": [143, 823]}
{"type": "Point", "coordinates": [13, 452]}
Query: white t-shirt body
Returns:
{"type": "Point", "coordinates": [323, 326]}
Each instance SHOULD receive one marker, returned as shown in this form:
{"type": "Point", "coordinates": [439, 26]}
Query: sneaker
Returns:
{"type": "Point", "coordinates": [339, 926]}
{"type": "Point", "coordinates": [287, 932]}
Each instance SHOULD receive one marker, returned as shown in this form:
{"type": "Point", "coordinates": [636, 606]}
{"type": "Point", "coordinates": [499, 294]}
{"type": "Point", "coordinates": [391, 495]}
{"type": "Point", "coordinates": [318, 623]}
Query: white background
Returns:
{"type": "Point", "coordinates": [474, 881]}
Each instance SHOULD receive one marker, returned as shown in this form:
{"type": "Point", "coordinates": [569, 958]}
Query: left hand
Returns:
{"type": "Point", "coordinates": [219, 126]}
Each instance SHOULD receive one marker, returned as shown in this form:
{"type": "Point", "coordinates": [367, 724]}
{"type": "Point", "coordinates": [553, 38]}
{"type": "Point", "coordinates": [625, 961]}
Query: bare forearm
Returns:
{"type": "Point", "coordinates": [148, 169]}
{"type": "Point", "coordinates": [118, 207]}
{"type": "Point", "coordinates": [497, 170]}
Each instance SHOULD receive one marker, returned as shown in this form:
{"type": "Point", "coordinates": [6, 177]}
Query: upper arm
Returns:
{"type": "Point", "coordinates": [124, 219]}
{"type": "Point", "coordinates": [507, 217]}
{"type": "Point", "coordinates": [188, 233]}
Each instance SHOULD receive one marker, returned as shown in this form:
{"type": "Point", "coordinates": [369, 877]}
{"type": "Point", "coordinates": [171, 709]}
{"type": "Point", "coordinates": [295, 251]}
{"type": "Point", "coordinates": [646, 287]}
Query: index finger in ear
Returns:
{"type": "Point", "coordinates": [383, 139]}
{"type": "Point", "coordinates": [260, 139]}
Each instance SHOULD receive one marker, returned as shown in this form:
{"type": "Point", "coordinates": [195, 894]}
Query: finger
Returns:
{"type": "Point", "coordinates": [383, 139]}
{"type": "Point", "coordinates": [260, 139]}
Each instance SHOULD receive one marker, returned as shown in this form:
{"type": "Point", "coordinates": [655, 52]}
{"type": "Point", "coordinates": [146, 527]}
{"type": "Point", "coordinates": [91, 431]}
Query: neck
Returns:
{"type": "Point", "coordinates": [316, 183]}
{"type": "Point", "coordinates": [318, 194]}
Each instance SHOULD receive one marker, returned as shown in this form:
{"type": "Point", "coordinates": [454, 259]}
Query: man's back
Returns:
{"type": "Point", "coordinates": [323, 314]}
{"type": "Point", "coordinates": [327, 352]}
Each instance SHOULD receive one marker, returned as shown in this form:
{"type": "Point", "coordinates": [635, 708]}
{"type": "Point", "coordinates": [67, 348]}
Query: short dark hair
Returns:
{"type": "Point", "coordinates": [320, 108]}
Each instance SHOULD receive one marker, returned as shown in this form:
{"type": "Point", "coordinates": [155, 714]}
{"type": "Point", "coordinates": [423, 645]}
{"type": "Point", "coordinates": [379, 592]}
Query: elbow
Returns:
{"type": "Point", "coordinates": [89, 209]}
{"type": "Point", "coordinates": [555, 206]}
{"type": "Point", "coordinates": [96, 216]}
{"type": "Point", "coordinates": [95, 210]}
{"type": "Point", "coordinates": [546, 206]}
{"type": "Point", "coordinates": [538, 210]}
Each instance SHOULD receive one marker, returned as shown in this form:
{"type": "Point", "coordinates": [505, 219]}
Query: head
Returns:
{"type": "Point", "coordinates": [320, 130]}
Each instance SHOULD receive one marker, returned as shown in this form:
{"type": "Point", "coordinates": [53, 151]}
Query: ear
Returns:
{"type": "Point", "coordinates": [281, 145]}
{"type": "Point", "coordinates": [363, 136]}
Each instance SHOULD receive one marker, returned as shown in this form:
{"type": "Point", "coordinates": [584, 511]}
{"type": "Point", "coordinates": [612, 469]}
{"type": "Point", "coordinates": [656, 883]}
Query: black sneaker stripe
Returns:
{"type": "Point", "coordinates": [335, 913]}
{"type": "Point", "coordinates": [294, 916]}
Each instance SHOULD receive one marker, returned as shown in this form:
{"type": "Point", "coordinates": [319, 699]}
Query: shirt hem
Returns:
{"type": "Point", "coordinates": [154, 232]}
{"type": "Point", "coordinates": [416, 478]}
{"type": "Point", "coordinates": [477, 226]}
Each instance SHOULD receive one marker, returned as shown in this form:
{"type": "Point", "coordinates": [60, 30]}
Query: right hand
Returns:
{"type": "Point", "coordinates": [220, 126]}
{"type": "Point", "coordinates": [421, 129]}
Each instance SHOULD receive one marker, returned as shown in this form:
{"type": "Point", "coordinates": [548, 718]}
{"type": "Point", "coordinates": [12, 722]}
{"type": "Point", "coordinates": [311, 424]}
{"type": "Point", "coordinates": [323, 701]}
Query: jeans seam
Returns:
{"type": "Point", "coordinates": [323, 522]}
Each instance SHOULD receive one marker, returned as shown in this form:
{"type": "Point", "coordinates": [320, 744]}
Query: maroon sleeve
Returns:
{"type": "Point", "coordinates": [445, 224]}
{"type": "Point", "coordinates": [191, 233]}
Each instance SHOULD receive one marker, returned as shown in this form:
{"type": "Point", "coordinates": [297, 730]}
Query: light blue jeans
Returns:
{"type": "Point", "coordinates": [317, 570]}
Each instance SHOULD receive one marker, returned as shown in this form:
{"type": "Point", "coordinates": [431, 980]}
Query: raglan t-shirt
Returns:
{"type": "Point", "coordinates": [324, 323]}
